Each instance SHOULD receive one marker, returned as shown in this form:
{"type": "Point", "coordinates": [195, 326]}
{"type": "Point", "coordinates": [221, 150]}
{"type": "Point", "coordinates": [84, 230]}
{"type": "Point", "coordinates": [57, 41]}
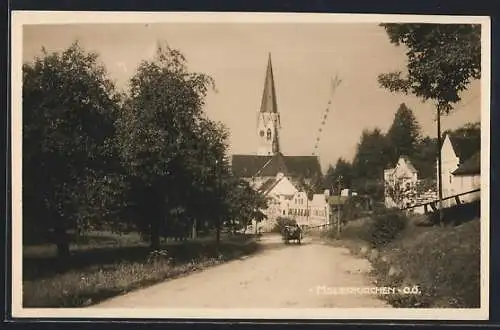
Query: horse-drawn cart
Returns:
{"type": "Point", "coordinates": [292, 233]}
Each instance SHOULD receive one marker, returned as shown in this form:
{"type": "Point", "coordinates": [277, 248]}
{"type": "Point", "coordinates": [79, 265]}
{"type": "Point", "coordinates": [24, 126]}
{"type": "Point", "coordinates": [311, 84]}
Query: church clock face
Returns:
{"type": "Point", "coordinates": [261, 133]}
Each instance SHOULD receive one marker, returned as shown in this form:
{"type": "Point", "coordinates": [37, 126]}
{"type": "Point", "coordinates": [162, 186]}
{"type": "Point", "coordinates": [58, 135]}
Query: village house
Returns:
{"type": "Point", "coordinates": [400, 184]}
{"type": "Point", "coordinates": [277, 176]}
{"type": "Point", "coordinates": [460, 172]}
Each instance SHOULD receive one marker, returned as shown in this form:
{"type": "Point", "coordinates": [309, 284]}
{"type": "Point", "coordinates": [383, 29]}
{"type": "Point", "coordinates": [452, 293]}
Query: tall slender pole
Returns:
{"type": "Point", "coordinates": [307, 208]}
{"type": "Point", "coordinates": [338, 207]}
{"type": "Point", "coordinates": [440, 166]}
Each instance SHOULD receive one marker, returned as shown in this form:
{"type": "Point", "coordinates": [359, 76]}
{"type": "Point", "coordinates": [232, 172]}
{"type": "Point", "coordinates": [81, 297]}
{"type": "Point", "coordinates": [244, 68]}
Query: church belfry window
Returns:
{"type": "Point", "coordinates": [268, 134]}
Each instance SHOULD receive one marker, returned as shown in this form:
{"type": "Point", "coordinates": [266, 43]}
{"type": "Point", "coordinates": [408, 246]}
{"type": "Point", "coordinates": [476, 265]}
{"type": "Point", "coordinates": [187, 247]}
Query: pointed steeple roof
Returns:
{"type": "Point", "coordinates": [269, 103]}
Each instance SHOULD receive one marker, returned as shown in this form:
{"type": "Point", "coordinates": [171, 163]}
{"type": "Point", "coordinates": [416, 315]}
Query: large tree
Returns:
{"type": "Point", "coordinates": [372, 157]}
{"type": "Point", "coordinates": [404, 134]}
{"type": "Point", "coordinates": [469, 138]}
{"type": "Point", "coordinates": [168, 146]}
{"type": "Point", "coordinates": [244, 204]}
{"type": "Point", "coordinates": [424, 159]}
{"type": "Point", "coordinates": [69, 160]}
{"type": "Point", "coordinates": [340, 176]}
{"type": "Point", "coordinates": [442, 61]}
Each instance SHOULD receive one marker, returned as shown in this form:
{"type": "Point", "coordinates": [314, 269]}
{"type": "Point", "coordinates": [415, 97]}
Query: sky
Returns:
{"type": "Point", "coordinates": [305, 57]}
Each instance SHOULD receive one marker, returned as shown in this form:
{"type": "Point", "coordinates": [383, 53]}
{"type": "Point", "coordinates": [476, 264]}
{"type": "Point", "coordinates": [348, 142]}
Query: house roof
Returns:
{"type": "Point", "coordinates": [464, 147]}
{"type": "Point", "coordinates": [471, 166]}
{"type": "Point", "coordinates": [409, 164]}
{"type": "Point", "coordinates": [266, 185]}
{"type": "Point", "coordinates": [269, 184]}
{"type": "Point", "coordinates": [292, 166]}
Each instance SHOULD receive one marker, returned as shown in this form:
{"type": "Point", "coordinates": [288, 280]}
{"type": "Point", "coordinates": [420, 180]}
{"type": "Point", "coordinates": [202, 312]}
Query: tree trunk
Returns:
{"type": "Point", "coordinates": [440, 176]}
{"type": "Point", "coordinates": [156, 206]}
{"type": "Point", "coordinates": [155, 233]}
{"type": "Point", "coordinates": [62, 241]}
{"type": "Point", "coordinates": [194, 232]}
{"type": "Point", "coordinates": [217, 233]}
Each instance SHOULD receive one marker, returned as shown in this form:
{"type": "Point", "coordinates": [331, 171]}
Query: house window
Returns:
{"type": "Point", "coordinates": [268, 134]}
{"type": "Point", "coordinates": [283, 212]}
{"type": "Point", "coordinates": [450, 178]}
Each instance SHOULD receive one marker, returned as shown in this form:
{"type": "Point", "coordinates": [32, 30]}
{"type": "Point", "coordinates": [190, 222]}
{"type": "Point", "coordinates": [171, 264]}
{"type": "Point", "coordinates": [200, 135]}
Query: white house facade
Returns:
{"type": "Point", "coordinates": [458, 175]}
{"type": "Point", "coordinates": [467, 178]}
{"type": "Point", "coordinates": [400, 184]}
{"type": "Point", "coordinates": [449, 163]}
{"type": "Point", "coordinates": [285, 200]}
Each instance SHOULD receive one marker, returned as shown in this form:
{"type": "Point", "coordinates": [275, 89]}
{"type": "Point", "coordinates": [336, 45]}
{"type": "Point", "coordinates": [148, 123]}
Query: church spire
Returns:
{"type": "Point", "coordinates": [269, 103]}
{"type": "Point", "coordinates": [269, 118]}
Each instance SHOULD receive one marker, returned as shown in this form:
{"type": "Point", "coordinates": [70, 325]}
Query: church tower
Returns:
{"type": "Point", "coordinates": [268, 123]}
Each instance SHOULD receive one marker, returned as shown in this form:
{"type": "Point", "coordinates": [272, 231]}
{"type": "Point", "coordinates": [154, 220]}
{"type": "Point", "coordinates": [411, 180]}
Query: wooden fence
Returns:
{"type": "Point", "coordinates": [434, 203]}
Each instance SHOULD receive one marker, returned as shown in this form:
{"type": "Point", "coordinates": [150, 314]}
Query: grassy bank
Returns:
{"type": "Point", "coordinates": [94, 274]}
{"type": "Point", "coordinates": [444, 262]}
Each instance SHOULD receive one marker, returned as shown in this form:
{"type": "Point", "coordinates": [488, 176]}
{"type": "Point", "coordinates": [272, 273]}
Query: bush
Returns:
{"type": "Point", "coordinates": [355, 230]}
{"type": "Point", "coordinates": [281, 222]}
{"type": "Point", "coordinates": [443, 262]}
{"type": "Point", "coordinates": [356, 207]}
{"type": "Point", "coordinates": [385, 227]}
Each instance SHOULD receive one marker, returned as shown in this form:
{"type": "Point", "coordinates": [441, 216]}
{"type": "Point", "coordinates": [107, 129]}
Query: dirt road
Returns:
{"type": "Point", "coordinates": [293, 276]}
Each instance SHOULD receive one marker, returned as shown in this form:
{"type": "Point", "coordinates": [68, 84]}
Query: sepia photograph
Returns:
{"type": "Point", "coordinates": [225, 165]}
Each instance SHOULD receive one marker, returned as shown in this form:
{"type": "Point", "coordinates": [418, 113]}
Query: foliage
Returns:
{"type": "Point", "coordinates": [404, 134]}
{"type": "Point", "coordinates": [371, 155]}
{"type": "Point", "coordinates": [97, 274]}
{"type": "Point", "coordinates": [148, 160]}
{"type": "Point", "coordinates": [468, 138]}
{"type": "Point", "coordinates": [386, 226]}
{"type": "Point", "coordinates": [245, 204]}
{"type": "Point", "coordinates": [71, 178]}
{"type": "Point", "coordinates": [424, 185]}
{"type": "Point", "coordinates": [340, 176]}
{"type": "Point", "coordinates": [174, 156]}
{"type": "Point", "coordinates": [443, 262]}
{"type": "Point", "coordinates": [424, 158]}
{"type": "Point", "coordinates": [442, 61]}
{"type": "Point", "coordinates": [311, 186]}
{"type": "Point", "coordinates": [402, 191]}
{"type": "Point", "coordinates": [355, 208]}
{"type": "Point", "coordinates": [281, 222]}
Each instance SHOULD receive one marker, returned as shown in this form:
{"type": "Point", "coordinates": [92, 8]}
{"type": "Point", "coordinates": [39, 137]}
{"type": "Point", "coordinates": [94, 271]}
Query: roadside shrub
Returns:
{"type": "Point", "coordinates": [445, 263]}
{"type": "Point", "coordinates": [281, 222]}
{"type": "Point", "coordinates": [386, 226]}
{"type": "Point", "coordinates": [356, 207]}
{"type": "Point", "coordinates": [356, 230]}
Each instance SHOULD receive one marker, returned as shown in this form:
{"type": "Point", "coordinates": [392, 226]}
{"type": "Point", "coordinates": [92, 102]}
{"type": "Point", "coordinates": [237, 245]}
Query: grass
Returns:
{"type": "Point", "coordinates": [98, 271]}
{"type": "Point", "coordinates": [444, 262]}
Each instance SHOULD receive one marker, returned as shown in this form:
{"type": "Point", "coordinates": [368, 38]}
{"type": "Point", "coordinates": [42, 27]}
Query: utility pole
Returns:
{"type": "Point", "coordinates": [339, 180]}
{"type": "Point", "coordinates": [440, 176]}
{"type": "Point", "coordinates": [307, 207]}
